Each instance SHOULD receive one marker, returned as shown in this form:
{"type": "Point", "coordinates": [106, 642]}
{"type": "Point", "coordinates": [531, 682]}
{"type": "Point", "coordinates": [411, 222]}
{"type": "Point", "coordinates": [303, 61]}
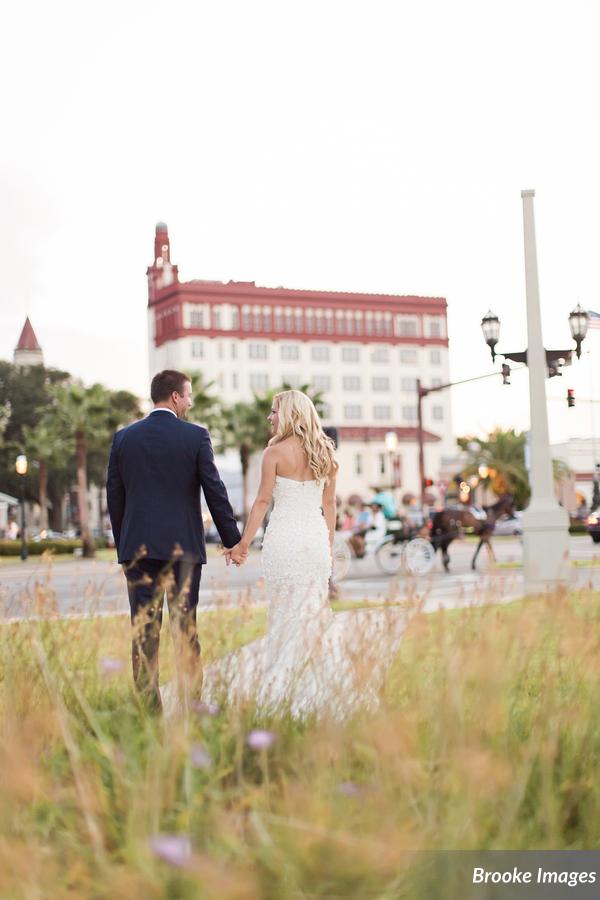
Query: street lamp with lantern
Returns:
{"type": "Point", "coordinates": [21, 466]}
{"type": "Point", "coordinates": [578, 323]}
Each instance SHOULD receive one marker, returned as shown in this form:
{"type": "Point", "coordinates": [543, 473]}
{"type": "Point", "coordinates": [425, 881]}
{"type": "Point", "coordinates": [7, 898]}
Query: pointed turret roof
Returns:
{"type": "Point", "coordinates": [28, 340]}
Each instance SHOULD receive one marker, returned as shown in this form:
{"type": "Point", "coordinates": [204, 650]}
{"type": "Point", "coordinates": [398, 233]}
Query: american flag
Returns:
{"type": "Point", "coordinates": [594, 319]}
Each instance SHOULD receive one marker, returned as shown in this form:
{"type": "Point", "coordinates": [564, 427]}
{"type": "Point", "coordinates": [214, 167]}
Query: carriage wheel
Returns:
{"type": "Point", "coordinates": [389, 556]}
{"type": "Point", "coordinates": [341, 556]}
{"type": "Point", "coordinates": [419, 556]}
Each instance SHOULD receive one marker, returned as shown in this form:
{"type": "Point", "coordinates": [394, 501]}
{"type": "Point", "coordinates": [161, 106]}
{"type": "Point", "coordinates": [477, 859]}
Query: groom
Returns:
{"type": "Point", "coordinates": [155, 471]}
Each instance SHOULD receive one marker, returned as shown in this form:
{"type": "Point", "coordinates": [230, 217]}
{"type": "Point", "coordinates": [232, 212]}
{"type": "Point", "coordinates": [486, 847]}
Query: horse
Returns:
{"type": "Point", "coordinates": [450, 523]}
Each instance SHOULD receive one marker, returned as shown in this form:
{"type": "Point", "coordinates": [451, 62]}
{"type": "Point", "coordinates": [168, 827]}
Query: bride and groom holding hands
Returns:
{"type": "Point", "coordinates": [310, 660]}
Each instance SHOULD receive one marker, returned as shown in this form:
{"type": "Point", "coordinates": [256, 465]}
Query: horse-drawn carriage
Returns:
{"type": "Point", "coordinates": [402, 548]}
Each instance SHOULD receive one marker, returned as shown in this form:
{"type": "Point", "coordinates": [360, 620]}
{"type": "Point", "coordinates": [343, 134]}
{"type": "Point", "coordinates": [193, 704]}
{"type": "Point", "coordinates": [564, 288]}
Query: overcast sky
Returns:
{"type": "Point", "coordinates": [363, 146]}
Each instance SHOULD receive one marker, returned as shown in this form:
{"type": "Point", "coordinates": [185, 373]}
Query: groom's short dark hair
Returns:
{"type": "Point", "coordinates": [164, 383]}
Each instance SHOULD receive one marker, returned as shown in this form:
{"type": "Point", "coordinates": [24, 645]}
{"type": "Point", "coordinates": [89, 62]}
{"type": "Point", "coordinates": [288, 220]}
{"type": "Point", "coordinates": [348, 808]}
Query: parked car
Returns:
{"type": "Point", "coordinates": [593, 525]}
{"type": "Point", "coordinates": [509, 525]}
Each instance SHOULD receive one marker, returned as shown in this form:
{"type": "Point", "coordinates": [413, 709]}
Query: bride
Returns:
{"type": "Point", "coordinates": [311, 660]}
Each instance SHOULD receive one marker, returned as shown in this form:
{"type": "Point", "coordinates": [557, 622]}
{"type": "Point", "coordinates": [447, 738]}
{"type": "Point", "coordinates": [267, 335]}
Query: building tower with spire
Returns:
{"type": "Point", "coordinates": [28, 352]}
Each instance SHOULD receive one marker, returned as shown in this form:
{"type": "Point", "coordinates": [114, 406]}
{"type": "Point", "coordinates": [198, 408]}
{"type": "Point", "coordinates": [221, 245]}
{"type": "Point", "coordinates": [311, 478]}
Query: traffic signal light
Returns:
{"type": "Point", "coordinates": [428, 482]}
{"type": "Point", "coordinates": [570, 397]}
{"type": "Point", "coordinates": [505, 373]}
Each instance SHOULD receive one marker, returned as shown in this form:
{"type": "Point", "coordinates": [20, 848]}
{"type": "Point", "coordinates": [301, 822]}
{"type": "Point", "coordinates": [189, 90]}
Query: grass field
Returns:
{"type": "Point", "coordinates": [488, 736]}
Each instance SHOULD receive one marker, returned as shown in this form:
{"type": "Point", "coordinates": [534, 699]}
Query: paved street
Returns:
{"type": "Point", "coordinates": [97, 587]}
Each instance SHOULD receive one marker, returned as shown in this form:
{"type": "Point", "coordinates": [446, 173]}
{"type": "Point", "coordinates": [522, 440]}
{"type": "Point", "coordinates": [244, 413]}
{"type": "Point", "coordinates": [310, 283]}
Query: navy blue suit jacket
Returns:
{"type": "Point", "coordinates": [155, 471]}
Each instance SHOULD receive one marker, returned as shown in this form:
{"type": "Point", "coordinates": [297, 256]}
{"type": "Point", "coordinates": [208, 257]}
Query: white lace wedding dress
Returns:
{"type": "Point", "coordinates": [311, 660]}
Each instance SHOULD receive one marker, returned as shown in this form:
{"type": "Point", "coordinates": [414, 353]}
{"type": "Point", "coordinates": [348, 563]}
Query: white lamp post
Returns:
{"type": "Point", "coordinates": [545, 523]}
{"type": "Point", "coordinates": [391, 445]}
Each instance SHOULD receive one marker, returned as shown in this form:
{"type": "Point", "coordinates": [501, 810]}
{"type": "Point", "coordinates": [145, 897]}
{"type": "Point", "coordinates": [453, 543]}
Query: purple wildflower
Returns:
{"type": "Point", "coordinates": [110, 666]}
{"type": "Point", "coordinates": [260, 739]}
{"type": "Point", "coordinates": [348, 789]}
{"type": "Point", "coordinates": [199, 757]}
{"type": "Point", "coordinates": [174, 849]}
{"type": "Point", "coordinates": [205, 709]}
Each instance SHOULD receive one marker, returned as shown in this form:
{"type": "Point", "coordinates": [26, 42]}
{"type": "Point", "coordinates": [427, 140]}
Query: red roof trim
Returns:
{"type": "Point", "coordinates": [211, 292]}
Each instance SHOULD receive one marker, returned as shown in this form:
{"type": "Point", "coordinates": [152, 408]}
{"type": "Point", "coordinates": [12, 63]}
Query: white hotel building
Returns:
{"type": "Point", "coordinates": [363, 352]}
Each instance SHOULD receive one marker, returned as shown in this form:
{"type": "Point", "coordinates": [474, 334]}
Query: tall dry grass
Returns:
{"type": "Point", "coordinates": [488, 736]}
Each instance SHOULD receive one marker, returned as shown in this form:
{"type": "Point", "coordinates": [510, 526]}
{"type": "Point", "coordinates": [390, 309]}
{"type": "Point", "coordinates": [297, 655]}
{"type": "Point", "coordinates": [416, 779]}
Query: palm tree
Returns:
{"type": "Point", "coordinates": [205, 408]}
{"type": "Point", "coordinates": [503, 454]}
{"type": "Point", "coordinates": [44, 444]}
{"type": "Point", "coordinates": [83, 415]}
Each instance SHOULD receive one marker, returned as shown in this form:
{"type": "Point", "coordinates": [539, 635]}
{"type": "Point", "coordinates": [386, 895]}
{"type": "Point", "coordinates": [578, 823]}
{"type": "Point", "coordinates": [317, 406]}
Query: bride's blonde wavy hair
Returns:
{"type": "Point", "coordinates": [298, 416]}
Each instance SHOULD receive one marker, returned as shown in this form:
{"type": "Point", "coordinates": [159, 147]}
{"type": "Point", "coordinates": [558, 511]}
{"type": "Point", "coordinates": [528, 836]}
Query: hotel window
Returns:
{"type": "Point", "coordinates": [309, 321]}
{"type": "Point", "coordinates": [322, 382]}
{"type": "Point", "coordinates": [320, 352]}
{"type": "Point", "coordinates": [435, 328]}
{"type": "Point", "coordinates": [408, 385]}
{"type": "Point", "coordinates": [278, 320]}
{"type": "Point", "coordinates": [382, 412]}
{"type": "Point", "coordinates": [259, 381]}
{"type": "Point", "coordinates": [258, 351]}
{"type": "Point", "coordinates": [408, 356]}
{"type": "Point", "coordinates": [359, 323]}
{"type": "Point", "coordinates": [220, 350]}
{"type": "Point", "coordinates": [290, 351]}
{"type": "Point", "coordinates": [257, 319]}
{"type": "Point", "coordinates": [329, 322]}
{"type": "Point", "coordinates": [350, 354]}
{"type": "Point", "coordinates": [380, 355]}
{"type": "Point", "coordinates": [435, 357]}
{"type": "Point", "coordinates": [235, 318]}
{"type": "Point", "coordinates": [234, 351]}
{"type": "Point", "coordinates": [381, 463]}
{"type": "Point", "coordinates": [380, 383]}
{"type": "Point", "coordinates": [351, 383]}
{"type": "Point", "coordinates": [369, 323]}
{"type": "Point", "coordinates": [246, 320]}
{"type": "Point", "coordinates": [320, 323]}
{"type": "Point", "coordinates": [408, 327]}
{"type": "Point", "coordinates": [378, 324]}
{"type": "Point", "coordinates": [409, 413]}
{"type": "Point", "coordinates": [299, 322]}
{"type": "Point", "coordinates": [289, 320]}
{"type": "Point", "coordinates": [340, 324]}
{"type": "Point", "coordinates": [197, 318]}
{"type": "Point", "coordinates": [353, 411]}
{"type": "Point", "coordinates": [267, 322]}
{"type": "Point", "coordinates": [216, 317]}
{"type": "Point", "coordinates": [197, 349]}
{"type": "Point", "coordinates": [350, 323]}
{"type": "Point", "coordinates": [388, 327]}
{"type": "Point", "coordinates": [438, 413]}
{"type": "Point", "coordinates": [358, 464]}
{"type": "Point", "coordinates": [234, 380]}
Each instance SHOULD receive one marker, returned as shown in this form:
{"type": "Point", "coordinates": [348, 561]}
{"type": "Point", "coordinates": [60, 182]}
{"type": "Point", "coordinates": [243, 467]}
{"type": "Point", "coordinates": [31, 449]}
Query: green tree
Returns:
{"type": "Point", "coordinates": [503, 452]}
{"type": "Point", "coordinates": [25, 397]}
{"type": "Point", "coordinates": [45, 445]}
{"type": "Point", "coordinates": [89, 416]}
{"type": "Point", "coordinates": [206, 408]}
